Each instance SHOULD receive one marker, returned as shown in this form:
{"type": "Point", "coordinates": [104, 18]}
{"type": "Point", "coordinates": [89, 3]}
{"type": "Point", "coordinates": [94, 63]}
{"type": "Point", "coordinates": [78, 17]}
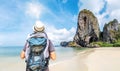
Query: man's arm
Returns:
{"type": "Point", "coordinates": [52, 51]}
{"type": "Point", "coordinates": [22, 55]}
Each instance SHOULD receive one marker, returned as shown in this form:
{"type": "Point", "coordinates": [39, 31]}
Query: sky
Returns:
{"type": "Point", "coordinates": [17, 18]}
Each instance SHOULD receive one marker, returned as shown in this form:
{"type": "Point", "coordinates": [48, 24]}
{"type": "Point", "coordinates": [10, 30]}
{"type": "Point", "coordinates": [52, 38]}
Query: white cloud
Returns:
{"type": "Point", "coordinates": [14, 39]}
{"type": "Point", "coordinates": [94, 5]}
{"type": "Point", "coordinates": [102, 20]}
{"type": "Point", "coordinates": [34, 9]}
{"type": "Point", "coordinates": [113, 4]}
{"type": "Point", "coordinates": [58, 35]}
{"type": "Point", "coordinates": [113, 9]}
{"type": "Point", "coordinates": [115, 14]}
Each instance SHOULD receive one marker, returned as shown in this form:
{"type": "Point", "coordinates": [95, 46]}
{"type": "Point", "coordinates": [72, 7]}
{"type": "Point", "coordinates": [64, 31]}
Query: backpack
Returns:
{"type": "Point", "coordinates": [36, 60]}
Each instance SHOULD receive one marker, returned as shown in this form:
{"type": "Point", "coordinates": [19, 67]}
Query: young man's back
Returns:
{"type": "Point", "coordinates": [49, 50]}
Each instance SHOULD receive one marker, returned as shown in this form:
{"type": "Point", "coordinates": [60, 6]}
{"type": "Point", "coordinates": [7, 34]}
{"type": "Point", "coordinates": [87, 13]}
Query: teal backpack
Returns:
{"type": "Point", "coordinates": [36, 60]}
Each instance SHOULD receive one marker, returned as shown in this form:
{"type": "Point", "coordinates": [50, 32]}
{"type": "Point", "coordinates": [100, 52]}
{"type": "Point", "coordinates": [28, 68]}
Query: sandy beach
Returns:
{"type": "Point", "coordinates": [95, 59]}
{"type": "Point", "coordinates": [12, 64]}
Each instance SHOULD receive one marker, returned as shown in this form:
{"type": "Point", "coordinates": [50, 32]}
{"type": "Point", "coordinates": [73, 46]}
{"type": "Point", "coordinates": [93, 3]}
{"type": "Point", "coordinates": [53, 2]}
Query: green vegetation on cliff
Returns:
{"type": "Point", "coordinates": [106, 44]}
{"type": "Point", "coordinates": [116, 43]}
{"type": "Point", "coordinates": [102, 44]}
{"type": "Point", "coordinates": [117, 35]}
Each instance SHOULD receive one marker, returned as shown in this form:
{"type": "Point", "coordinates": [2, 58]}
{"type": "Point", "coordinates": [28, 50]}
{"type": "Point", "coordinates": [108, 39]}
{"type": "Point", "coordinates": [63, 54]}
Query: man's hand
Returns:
{"type": "Point", "coordinates": [53, 55]}
{"type": "Point", "coordinates": [22, 55]}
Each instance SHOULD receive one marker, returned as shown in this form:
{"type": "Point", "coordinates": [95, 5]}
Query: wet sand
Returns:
{"type": "Point", "coordinates": [95, 59]}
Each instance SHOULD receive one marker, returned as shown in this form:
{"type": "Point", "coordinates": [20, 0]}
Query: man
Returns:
{"type": "Point", "coordinates": [48, 52]}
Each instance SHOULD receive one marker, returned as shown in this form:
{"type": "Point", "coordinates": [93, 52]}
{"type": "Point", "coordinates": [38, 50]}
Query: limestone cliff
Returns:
{"type": "Point", "coordinates": [88, 31]}
{"type": "Point", "coordinates": [87, 28]}
{"type": "Point", "coordinates": [110, 31]}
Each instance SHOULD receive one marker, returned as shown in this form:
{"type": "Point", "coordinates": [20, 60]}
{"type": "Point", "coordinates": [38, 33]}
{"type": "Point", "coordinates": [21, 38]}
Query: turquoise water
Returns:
{"type": "Point", "coordinates": [10, 51]}
{"type": "Point", "coordinates": [14, 51]}
{"type": "Point", "coordinates": [11, 54]}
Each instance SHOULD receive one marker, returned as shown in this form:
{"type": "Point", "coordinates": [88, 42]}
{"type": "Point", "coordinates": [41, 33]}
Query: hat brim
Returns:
{"type": "Point", "coordinates": [38, 29]}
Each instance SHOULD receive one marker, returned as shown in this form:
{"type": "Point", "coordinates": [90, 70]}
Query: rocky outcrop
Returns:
{"type": "Point", "coordinates": [69, 44]}
{"type": "Point", "coordinates": [88, 31]}
{"type": "Point", "coordinates": [87, 28]}
{"type": "Point", "coordinates": [64, 43]}
{"type": "Point", "coordinates": [110, 31]}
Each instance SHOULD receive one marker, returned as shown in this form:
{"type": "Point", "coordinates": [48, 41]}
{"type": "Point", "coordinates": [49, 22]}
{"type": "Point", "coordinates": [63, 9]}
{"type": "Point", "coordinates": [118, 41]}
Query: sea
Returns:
{"type": "Point", "coordinates": [10, 51]}
{"type": "Point", "coordinates": [14, 51]}
{"type": "Point", "coordinates": [10, 57]}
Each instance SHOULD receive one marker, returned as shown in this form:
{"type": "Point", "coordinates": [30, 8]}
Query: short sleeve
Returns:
{"type": "Point", "coordinates": [51, 47]}
{"type": "Point", "coordinates": [25, 46]}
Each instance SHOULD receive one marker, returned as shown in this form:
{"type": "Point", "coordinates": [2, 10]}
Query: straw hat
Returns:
{"type": "Point", "coordinates": [38, 27]}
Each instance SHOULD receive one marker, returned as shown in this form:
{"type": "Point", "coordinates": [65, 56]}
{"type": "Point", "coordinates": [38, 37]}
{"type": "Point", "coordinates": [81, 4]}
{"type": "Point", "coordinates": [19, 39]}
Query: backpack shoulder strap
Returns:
{"type": "Point", "coordinates": [39, 34]}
